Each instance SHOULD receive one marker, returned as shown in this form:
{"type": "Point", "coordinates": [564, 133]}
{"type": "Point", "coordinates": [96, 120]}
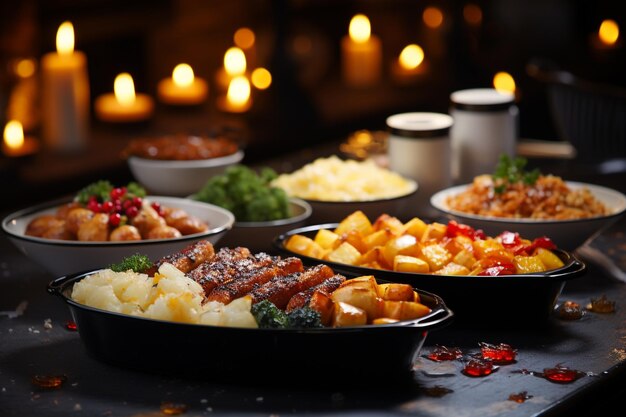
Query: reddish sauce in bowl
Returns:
{"type": "Point", "coordinates": [181, 147]}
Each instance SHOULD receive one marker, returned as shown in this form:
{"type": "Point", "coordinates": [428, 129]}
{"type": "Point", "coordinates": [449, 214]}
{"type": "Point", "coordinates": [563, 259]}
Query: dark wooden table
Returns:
{"type": "Point", "coordinates": [595, 345]}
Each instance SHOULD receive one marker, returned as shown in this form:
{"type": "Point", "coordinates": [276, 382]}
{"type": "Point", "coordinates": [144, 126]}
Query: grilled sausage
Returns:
{"type": "Point", "coordinates": [303, 298]}
{"type": "Point", "coordinates": [190, 257]}
{"type": "Point", "coordinates": [279, 290]}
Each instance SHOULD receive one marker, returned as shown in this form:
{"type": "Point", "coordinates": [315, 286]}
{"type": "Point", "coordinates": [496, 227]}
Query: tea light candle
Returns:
{"type": "Point", "coordinates": [15, 144]}
{"type": "Point", "coordinates": [361, 54]}
{"type": "Point", "coordinates": [235, 64]}
{"type": "Point", "coordinates": [608, 36]}
{"type": "Point", "coordinates": [409, 65]}
{"type": "Point", "coordinates": [183, 88]}
{"type": "Point", "coordinates": [65, 94]}
{"type": "Point", "coordinates": [237, 99]}
{"type": "Point", "coordinates": [123, 105]}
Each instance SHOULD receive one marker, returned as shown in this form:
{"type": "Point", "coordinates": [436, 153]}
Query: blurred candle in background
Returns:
{"type": "Point", "coordinates": [23, 102]}
{"type": "Point", "coordinates": [235, 64]}
{"type": "Point", "coordinates": [237, 99]}
{"type": "Point", "coordinates": [409, 65]}
{"type": "Point", "coordinates": [123, 105]}
{"type": "Point", "coordinates": [504, 82]}
{"type": "Point", "coordinates": [608, 34]}
{"type": "Point", "coordinates": [261, 78]}
{"type": "Point", "coordinates": [15, 144]}
{"type": "Point", "coordinates": [245, 39]}
{"type": "Point", "coordinates": [65, 94]}
{"type": "Point", "coordinates": [183, 88]}
{"type": "Point", "coordinates": [361, 54]}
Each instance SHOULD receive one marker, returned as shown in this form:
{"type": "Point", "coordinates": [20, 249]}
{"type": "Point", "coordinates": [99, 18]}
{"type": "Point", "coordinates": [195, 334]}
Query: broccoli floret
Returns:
{"type": "Point", "coordinates": [136, 262]}
{"type": "Point", "coordinates": [100, 189]}
{"type": "Point", "coordinates": [268, 316]}
{"type": "Point", "coordinates": [304, 318]}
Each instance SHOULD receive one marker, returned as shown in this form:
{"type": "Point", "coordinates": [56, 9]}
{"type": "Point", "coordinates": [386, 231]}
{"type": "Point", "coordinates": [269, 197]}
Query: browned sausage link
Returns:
{"type": "Point", "coordinates": [190, 257]}
{"type": "Point", "coordinates": [225, 267]}
{"type": "Point", "coordinates": [280, 290]}
{"type": "Point", "coordinates": [302, 298]}
{"type": "Point", "coordinates": [241, 286]}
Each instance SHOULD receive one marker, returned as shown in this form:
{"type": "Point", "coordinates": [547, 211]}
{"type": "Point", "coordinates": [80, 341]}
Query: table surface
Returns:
{"type": "Point", "coordinates": [595, 345]}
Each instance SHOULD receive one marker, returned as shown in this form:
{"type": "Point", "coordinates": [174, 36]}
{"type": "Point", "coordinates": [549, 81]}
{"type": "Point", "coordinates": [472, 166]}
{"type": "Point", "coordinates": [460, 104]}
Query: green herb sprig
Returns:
{"type": "Point", "coordinates": [511, 171]}
{"type": "Point", "coordinates": [137, 262]}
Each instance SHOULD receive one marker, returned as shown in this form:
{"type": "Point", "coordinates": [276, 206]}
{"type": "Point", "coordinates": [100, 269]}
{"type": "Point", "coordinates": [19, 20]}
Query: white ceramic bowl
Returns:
{"type": "Point", "coordinates": [62, 257]}
{"type": "Point", "coordinates": [179, 178]}
{"type": "Point", "coordinates": [258, 236]}
{"type": "Point", "coordinates": [335, 211]}
{"type": "Point", "coordinates": [566, 234]}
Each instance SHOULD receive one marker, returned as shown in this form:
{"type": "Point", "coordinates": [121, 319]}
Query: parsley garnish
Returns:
{"type": "Point", "coordinates": [511, 171]}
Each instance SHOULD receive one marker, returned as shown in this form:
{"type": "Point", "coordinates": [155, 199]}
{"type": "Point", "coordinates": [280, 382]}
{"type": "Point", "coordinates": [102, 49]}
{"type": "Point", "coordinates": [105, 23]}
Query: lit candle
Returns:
{"type": "Point", "coordinates": [361, 54]}
{"type": "Point", "coordinates": [504, 82]}
{"type": "Point", "coordinates": [607, 36]}
{"type": "Point", "coordinates": [409, 65]}
{"type": "Point", "coordinates": [234, 64]}
{"type": "Point", "coordinates": [183, 88]}
{"type": "Point", "coordinates": [245, 39]}
{"type": "Point", "coordinates": [123, 105]}
{"type": "Point", "coordinates": [65, 94]}
{"type": "Point", "coordinates": [15, 144]}
{"type": "Point", "coordinates": [237, 99]}
{"type": "Point", "coordinates": [261, 78]}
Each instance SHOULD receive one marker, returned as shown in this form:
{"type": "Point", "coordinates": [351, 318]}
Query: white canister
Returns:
{"type": "Point", "coordinates": [485, 126]}
{"type": "Point", "coordinates": [419, 148]}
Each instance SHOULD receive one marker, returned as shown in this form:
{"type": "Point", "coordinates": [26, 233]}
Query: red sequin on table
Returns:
{"type": "Point", "coordinates": [562, 374]}
{"type": "Point", "coordinates": [173, 409]}
{"type": "Point", "coordinates": [501, 354]}
{"type": "Point", "coordinates": [49, 381]}
{"type": "Point", "coordinates": [70, 325]}
{"type": "Point", "coordinates": [443, 353]}
{"type": "Point", "coordinates": [570, 310]}
{"type": "Point", "coordinates": [520, 397]}
{"type": "Point", "coordinates": [601, 305]}
{"type": "Point", "coordinates": [478, 367]}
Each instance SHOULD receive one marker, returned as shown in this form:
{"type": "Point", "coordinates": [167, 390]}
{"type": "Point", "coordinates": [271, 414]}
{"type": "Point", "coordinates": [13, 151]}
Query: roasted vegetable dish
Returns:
{"type": "Point", "coordinates": [101, 212]}
{"type": "Point", "coordinates": [181, 147]}
{"type": "Point", "coordinates": [233, 287]}
{"type": "Point", "coordinates": [435, 248]}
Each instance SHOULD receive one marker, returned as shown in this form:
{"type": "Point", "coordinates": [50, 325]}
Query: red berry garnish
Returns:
{"type": "Point", "coordinates": [132, 211]}
{"type": "Point", "coordinates": [127, 203]}
{"type": "Point", "coordinates": [137, 202]}
{"type": "Point", "coordinates": [94, 206]}
{"type": "Point", "coordinates": [118, 192]}
{"type": "Point", "coordinates": [114, 219]}
{"type": "Point", "coordinates": [107, 207]}
{"type": "Point", "coordinates": [157, 207]}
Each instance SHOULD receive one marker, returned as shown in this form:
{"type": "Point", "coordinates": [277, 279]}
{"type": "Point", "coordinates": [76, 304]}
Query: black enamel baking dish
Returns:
{"type": "Point", "coordinates": [290, 356]}
{"type": "Point", "coordinates": [478, 301]}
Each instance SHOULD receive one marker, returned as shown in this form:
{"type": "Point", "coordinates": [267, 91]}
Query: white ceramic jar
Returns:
{"type": "Point", "coordinates": [485, 126]}
{"type": "Point", "coordinates": [419, 148]}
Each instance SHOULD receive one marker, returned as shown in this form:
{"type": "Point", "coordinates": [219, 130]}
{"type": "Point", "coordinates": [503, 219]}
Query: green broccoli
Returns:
{"type": "Point", "coordinates": [100, 189]}
{"type": "Point", "coordinates": [268, 316]}
{"type": "Point", "coordinates": [136, 262]}
{"type": "Point", "coordinates": [304, 318]}
{"type": "Point", "coordinates": [249, 196]}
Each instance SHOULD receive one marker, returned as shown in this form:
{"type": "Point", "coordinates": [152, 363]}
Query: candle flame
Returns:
{"type": "Point", "coordinates": [238, 91]}
{"type": "Point", "coordinates": [411, 56]}
{"type": "Point", "coordinates": [504, 82]}
{"type": "Point", "coordinates": [608, 32]}
{"type": "Point", "coordinates": [183, 75]}
{"type": "Point", "coordinates": [261, 78]}
{"type": "Point", "coordinates": [234, 61]}
{"type": "Point", "coordinates": [14, 135]}
{"type": "Point", "coordinates": [124, 89]}
{"type": "Point", "coordinates": [244, 38]}
{"type": "Point", "coordinates": [65, 39]}
{"type": "Point", "coordinates": [432, 17]}
{"type": "Point", "coordinates": [360, 28]}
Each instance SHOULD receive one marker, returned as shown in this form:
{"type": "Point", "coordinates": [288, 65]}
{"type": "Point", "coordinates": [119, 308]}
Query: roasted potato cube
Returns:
{"type": "Point", "coordinates": [465, 258]}
{"type": "Point", "coordinates": [404, 310]}
{"type": "Point", "coordinates": [348, 315]}
{"type": "Point", "coordinates": [356, 221]}
{"type": "Point", "coordinates": [362, 298]}
{"type": "Point", "coordinates": [490, 248]}
{"type": "Point", "coordinates": [304, 246]}
{"type": "Point", "coordinates": [372, 255]}
{"type": "Point", "coordinates": [354, 238]}
{"type": "Point", "coordinates": [404, 263]}
{"type": "Point", "coordinates": [528, 264]}
{"type": "Point", "coordinates": [323, 304]}
{"type": "Point", "coordinates": [401, 245]}
{"type": "Point", "coordinates": [327, 239]}
{"type": "Point", "coordinates": [415, 227]}
{"type": "Point", "coordinates": [436, 256]}
{"type": "Point", "coordinates": [345, 254]}
{"type": "Point", "coordinates": [453, 269]}
{"type": "Point", "coordinates": [378, 238]}
{"type": "Point", "coordinates": [387, 222]}
{"type": "Point", "coordinates": [396, 292]}
{"type": "Point", "coordinates": [366, 281]}
{"type": "Point", "coordinates": [434, 231]}
{"type": "Point", "coordinates": [549, 259]}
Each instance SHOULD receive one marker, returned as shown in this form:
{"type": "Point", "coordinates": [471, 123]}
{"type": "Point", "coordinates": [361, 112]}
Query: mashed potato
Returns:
{"type": "Point", "coordinates": [332, 179]}
{"type": "Point", "coordinates": [169, 295]}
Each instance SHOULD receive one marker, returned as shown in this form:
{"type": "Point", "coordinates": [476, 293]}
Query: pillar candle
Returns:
{"type": "Point", "coordinates": [361, 54]}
